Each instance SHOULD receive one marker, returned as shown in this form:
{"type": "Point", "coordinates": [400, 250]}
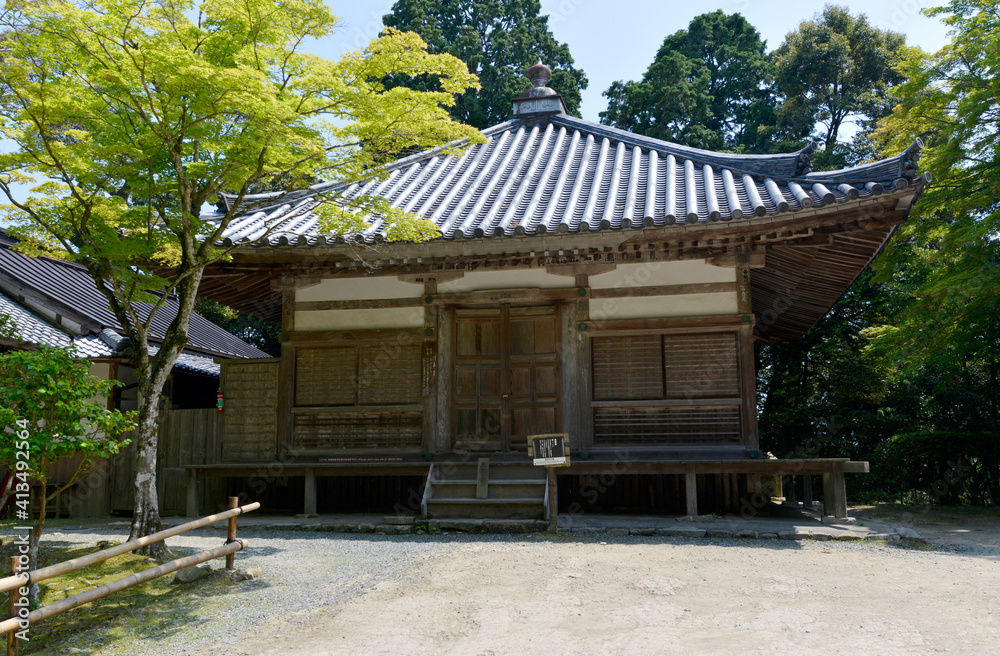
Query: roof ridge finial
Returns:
{"type": "Point", "coordinates": [539, 99]}
{"type": "Point", "coordinates": [540, 74]}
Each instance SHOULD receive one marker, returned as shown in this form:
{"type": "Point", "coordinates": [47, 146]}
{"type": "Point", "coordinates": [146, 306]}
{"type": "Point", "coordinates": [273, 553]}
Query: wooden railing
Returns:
{"type": "Point", "coordinates": [18, 620]}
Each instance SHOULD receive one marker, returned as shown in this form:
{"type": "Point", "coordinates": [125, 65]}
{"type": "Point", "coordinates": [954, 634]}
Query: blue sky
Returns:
{"type": "Point", "coordinates": [617, 39]}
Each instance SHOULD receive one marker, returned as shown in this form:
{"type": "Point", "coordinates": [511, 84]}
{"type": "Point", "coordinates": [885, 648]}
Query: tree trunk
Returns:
{"type": "Point", "coordinates": [146, 508]}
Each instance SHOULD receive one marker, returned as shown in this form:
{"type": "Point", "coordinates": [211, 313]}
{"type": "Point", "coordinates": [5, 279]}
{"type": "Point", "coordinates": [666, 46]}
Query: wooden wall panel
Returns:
{"type": "Point", "coordinates": [701, 366]}
{"type": "Point", "coordinates": [352, 380]}
{"type": "Point", "coordinates": [326, 376]}
{"type": "Point", "coordinates": [390, 375]}
{"type": "Point", "coordinates": [358, 430]}
{"type": "Point", "coordinates": [628, 368]}
{"type": "Point", "coordinates": [672, 425]}
{"type": "Point", "coordinates": [667, 389]}
{"type": "Point", "coordinates": [251, 416]}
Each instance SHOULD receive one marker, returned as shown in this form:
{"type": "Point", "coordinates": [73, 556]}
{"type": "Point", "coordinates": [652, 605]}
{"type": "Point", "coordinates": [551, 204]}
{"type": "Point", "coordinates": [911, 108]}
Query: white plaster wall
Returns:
{"type": "Point", "coordinates": [658, 307]}
{"type": "Point", "coordinates": [354, 289]}
{"type": "Point", "coordinates": [100, 369]}
{"type": "Point", "coordinates": [512, 279]}
{"type": "Point", "coordinates": [412, 317]}
{"type": "Point", "coordinates": [649, 274]}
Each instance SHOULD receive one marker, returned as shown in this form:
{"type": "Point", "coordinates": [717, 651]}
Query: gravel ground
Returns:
{"type": "Point", "coordinates": [323, 593]}
{"type": "Point", "coordinates": [298, 572]}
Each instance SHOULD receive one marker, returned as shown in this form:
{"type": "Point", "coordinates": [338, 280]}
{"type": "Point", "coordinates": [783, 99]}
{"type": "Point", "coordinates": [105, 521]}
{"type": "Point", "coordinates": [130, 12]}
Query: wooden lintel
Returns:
{"type": "Point", "coordinates": [754, 259]}
{"type": "Point", "coordinates": [292, 282]}
{"type": "Point", "coordinates": [665, 290]}
{"type": "Point", "coordinates": [516, 296]}
{"type": "Point", "coordinates": [585, 268]}
{"type": "Point", "coordinates": [674, 324]}
{"type": "Point", "coordinates": [431, 276]}
{"type": "Point", "coordinates": [365, 409]}
{"type": "Point", "coordinates": [668, 403]}
{"type": "Point", "coordinates": [397, 335]}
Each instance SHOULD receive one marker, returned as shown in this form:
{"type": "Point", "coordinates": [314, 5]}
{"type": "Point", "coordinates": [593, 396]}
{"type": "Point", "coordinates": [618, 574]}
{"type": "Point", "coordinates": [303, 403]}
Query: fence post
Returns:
{"type": "Point", "coordinates": [234, 502]}
{"type": "Point", "coordinates": [12, 609]}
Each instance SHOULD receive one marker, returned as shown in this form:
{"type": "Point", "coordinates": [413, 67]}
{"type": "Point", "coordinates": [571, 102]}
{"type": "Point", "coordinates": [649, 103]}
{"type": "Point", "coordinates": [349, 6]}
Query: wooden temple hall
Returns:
{"type": "Point", "coordinates": [587, 281]}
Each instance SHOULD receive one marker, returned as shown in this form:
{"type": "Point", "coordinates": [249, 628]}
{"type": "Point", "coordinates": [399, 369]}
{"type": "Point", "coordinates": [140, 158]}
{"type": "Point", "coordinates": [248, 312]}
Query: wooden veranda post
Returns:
{"type": "Point", "coordinates": [234, 502]}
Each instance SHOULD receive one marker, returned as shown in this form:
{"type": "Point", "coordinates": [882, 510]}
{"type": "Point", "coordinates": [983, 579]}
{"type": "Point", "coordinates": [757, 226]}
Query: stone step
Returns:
{"type": "Point", "coordinates": [486, 508]}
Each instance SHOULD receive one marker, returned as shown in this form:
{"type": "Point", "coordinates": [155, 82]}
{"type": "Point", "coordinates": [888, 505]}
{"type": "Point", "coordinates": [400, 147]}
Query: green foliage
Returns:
{"type": "Point", "coordinates": [8, 328]}
{"type": "Point", "coordinates": [56, 409]}
{"type": "Point", "coordinates": [253, 331]}
{"type": "Point", "coordinates": [837, 68]}
{"type": "Point", "coordinates": [707, 88]}
{"type": "Point", "coordinates": [827, 395]}
{"type": "Point", "coordinates": [134, 114]}
{"type": "Point", "coordinates": [951, 99]}
{"type": "Point", "coordinates": [713, 86]}
{"type": "Point", "coordinates": [945, 467]}
{"type": "Point", "coordinates": [498, 40]}
{"type": "Point", "coordinates": [925, 362]}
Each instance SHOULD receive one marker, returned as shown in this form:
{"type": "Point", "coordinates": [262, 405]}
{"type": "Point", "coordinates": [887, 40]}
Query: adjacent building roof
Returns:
{"type": "Point", "coordinates": [32, 330]}
{"type": "Point", "coordinates": [556, 173]}
{"type": "Point", "coordinates": [104, 343]}
{"type": "Point", "coordinates": [66, 289]}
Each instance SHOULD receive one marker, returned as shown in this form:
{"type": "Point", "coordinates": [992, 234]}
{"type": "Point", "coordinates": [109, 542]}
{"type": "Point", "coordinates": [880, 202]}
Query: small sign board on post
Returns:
{"type": "Point", "coordinates": [549, 450]}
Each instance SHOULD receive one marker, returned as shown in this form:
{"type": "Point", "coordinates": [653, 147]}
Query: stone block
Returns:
{"type": "Point", "coordinates": [681, 532]}
{"type": "Point", "coordinates": [718, 533]}
{"type": "Point", "coordinates": [192, 574]}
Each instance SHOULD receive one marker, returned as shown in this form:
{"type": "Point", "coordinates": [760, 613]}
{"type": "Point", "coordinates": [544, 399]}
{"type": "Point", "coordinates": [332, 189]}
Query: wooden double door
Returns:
{"type": "Point", "coordinates": [506, 379]}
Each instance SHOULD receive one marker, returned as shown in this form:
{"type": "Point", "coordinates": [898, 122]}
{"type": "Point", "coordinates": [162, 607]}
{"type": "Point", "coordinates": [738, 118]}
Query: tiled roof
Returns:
{"type": "Point", "coordinates": [562, 174]}
{"type": "Point", "coordinates": [36, 331]}
{"type": "Point", "coordinates": [70, 286]}
{"type": "Point", "coordinates": [105, 342]}
{"type": "Point", "coordinates": [30, 327]}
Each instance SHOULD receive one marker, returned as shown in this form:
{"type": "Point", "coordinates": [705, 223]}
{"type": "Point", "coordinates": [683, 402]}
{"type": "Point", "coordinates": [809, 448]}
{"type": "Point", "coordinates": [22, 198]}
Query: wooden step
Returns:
{"type": "Point", "coordinates": [498, 472]}
{"type": "Point", "coordinates": [512, 489]}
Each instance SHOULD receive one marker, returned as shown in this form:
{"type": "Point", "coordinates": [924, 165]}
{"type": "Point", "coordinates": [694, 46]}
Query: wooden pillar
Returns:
{"type": "Point", "coordinates": [309, 505]}
{"type": "Point", "coordinates": [691, 489]}
{"type": "Point", "coordinates": [429, 364]}
{"type": "Point", "coordinates": [569, 358]}
{"type": "Point", "coordinates": [286, 375]}
{"type": "Point", "coordinates": [445, 365]}
{"type": "Point", "coordinates": [807, 491]}
{"type": "Point", "coordinates": [835, 493]}
{"type": "Point", "coordinates": [790, 491]}
{"type": "Point", "coordinates": [192, 494]}
{"type": "Point", "coordinates": [747, 364]}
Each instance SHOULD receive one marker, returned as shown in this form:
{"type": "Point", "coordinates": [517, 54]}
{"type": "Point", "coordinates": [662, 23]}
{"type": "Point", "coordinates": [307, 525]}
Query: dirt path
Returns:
{"type": "Point", "coordinates": [657, 597]}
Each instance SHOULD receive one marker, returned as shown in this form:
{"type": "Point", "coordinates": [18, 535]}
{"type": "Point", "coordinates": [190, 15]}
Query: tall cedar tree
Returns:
{"type": "Point", "coordinates": [835, 69]}
{"type": "Point", "coordinates": [707, 88]}
{"type": "Point", "coordinates": [499, 40]}
{"type": "Point", "coordinates": [135, 113]}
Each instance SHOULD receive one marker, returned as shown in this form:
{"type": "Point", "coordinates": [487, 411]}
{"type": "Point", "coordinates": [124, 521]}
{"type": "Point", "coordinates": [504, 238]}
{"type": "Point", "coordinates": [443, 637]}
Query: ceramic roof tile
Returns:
{"type": "Point", "coordinates": [564, 174]}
